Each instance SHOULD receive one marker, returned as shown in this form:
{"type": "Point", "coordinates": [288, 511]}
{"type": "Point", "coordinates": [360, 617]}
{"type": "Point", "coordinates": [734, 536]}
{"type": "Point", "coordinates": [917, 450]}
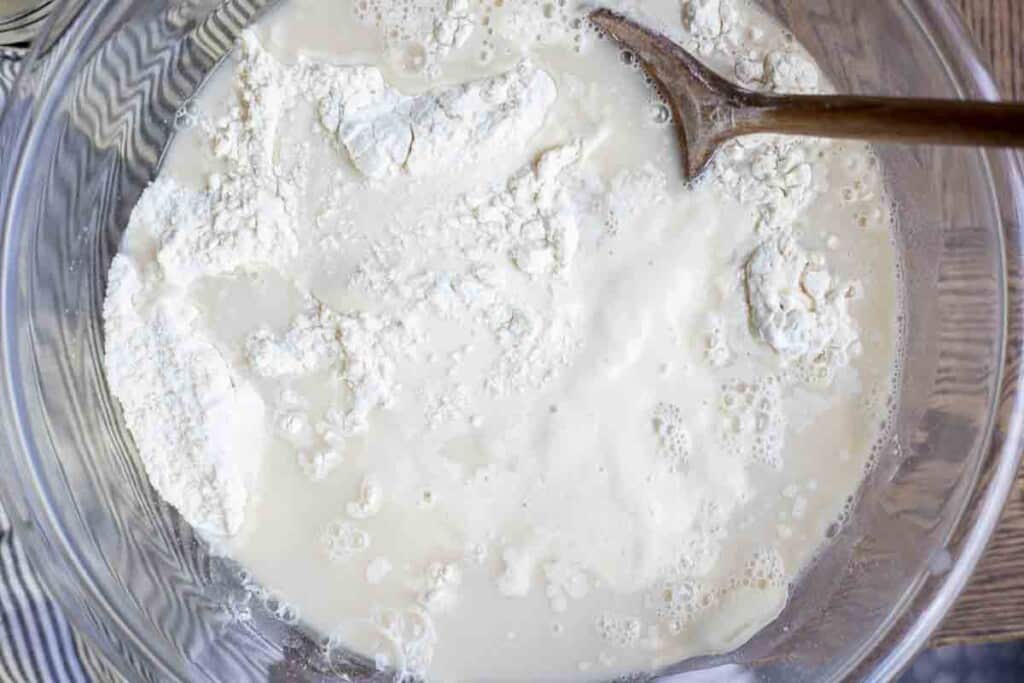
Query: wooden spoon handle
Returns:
{"type": "Point", "coordinates": [942, 122]}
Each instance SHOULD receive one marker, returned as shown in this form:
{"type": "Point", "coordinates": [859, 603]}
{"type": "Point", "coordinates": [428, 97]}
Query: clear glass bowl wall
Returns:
{"type": "Point", "coordinates": [84, 132]}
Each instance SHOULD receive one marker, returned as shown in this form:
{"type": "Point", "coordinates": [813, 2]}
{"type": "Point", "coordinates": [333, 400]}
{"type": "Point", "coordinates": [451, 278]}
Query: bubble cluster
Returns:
{"type": "Point", "coordinates": [270, 601]}
{"type": "Point", "coordinates": [678, 601]}
{"type": "Point", "coordinates": [764, 570]}
{"type": "Point", "coordinates": [543, 22]}
{"type": "Point", "coordinates": [345, 540]}
{"type": "Point", "coordinates": [869, 218]}
{"type": "Point", "coordinates": [618, 630]}
{"type": "Point", "coordinates": [843, 518]}
{"type": "Point", "coordinates": [280, 609]}
{"type": "Point", "coordinates": [187, 116]}
{"type": "Point", "coordinates": [716, 349]}
{"type": "Point", "coordinates": [819, 370]}
{"type": "Point", "coordinates": [674, 441]}
{"type": "Point", "coordinates": [858, 191]}
{"type": "Point", "coordinates": [753, 420]}
{"type": "Point", "coordinates": [419, 34]}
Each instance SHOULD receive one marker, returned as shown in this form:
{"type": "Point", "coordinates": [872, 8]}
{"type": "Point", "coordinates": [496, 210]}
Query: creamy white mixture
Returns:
{"type": "Point", "coordinates": [421, 325]}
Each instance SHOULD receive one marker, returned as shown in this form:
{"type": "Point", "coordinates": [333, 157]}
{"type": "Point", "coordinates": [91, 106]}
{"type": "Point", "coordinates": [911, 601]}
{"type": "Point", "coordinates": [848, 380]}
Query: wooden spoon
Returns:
{"type": "Point", "coordinates": [709, 110]}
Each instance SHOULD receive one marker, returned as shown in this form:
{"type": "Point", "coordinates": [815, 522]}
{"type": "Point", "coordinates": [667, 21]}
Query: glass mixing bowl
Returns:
{"type": "Point", "coordinates": [84, 130]}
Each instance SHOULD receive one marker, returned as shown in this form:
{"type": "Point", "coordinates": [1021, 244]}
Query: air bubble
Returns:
{"type": "Point", "coordinates": [621, 631]}
{"type": "Point", "coordinates": [661, 114]}
{"type": "Point", "coordinates": [752, 420]}
{"type": "Point", "coordinates": [344, 540]}
{"type": "Point", "coordinates": [674, 441]}
{"type": "Point", "coordinates": [187, 116]}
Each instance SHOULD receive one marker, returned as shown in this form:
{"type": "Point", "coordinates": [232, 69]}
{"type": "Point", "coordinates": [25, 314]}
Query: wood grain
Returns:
{"type": "Point", "coordinates": [992, 607]}
{"type": "Point", "coordinates": [998, 27]}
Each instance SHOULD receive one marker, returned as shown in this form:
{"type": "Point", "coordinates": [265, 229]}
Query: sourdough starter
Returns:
{"type": "Point", "coordinates": [420, 324]}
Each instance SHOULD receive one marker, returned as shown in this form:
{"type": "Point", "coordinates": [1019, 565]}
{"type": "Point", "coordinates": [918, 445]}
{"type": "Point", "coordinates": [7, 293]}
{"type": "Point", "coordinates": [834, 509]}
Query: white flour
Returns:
{"type": "Point", "coordinates": [532, 222]}
{"type": "Point", "coordinates": [188, 411]}
{"type": "Point", "coordinates": [713, 25]}
{"type": "Point", "coordinates": [420, 324]}
{"type": "Point", "coordinates": [386, 132]}
{"type": "Point", "coordinates": [794, 305]}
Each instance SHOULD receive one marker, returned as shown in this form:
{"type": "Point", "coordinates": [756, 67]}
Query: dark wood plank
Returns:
{"type": "Point", "coordinates": [997, 26]}
{"type": "Point", "coordinates": [992, 607]}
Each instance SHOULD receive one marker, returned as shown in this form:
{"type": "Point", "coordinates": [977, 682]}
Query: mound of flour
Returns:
{"type": "Point", "coordinates": [197, 421]}
{"type": "Point", "coordinates": [386, 132]}
{"type": "Point", "coordinates": [198, 426]}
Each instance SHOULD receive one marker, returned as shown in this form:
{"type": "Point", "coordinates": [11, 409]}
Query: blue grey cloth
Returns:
{"type": "Point", "coordinates": [993, 663]}
{"type": "Point", "coordinates": [37, 645]}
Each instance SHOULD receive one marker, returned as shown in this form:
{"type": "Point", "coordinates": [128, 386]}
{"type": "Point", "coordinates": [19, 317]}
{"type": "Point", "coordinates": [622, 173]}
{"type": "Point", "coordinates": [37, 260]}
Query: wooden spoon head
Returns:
{"type": "Point", "coordinates": [703, 103]}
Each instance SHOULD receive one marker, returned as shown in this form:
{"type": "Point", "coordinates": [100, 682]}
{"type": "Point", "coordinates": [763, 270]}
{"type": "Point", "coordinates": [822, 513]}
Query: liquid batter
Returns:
{"type": "Point", "coordinates": [421, 325]}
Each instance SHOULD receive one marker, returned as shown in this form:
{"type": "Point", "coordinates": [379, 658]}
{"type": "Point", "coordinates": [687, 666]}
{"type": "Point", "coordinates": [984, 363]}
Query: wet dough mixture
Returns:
{"type": "Point", "coordinates": [420, 324]}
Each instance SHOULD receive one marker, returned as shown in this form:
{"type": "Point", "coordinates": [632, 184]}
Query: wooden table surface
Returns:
{"type": "Point", "coordinates": [992, 608]}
